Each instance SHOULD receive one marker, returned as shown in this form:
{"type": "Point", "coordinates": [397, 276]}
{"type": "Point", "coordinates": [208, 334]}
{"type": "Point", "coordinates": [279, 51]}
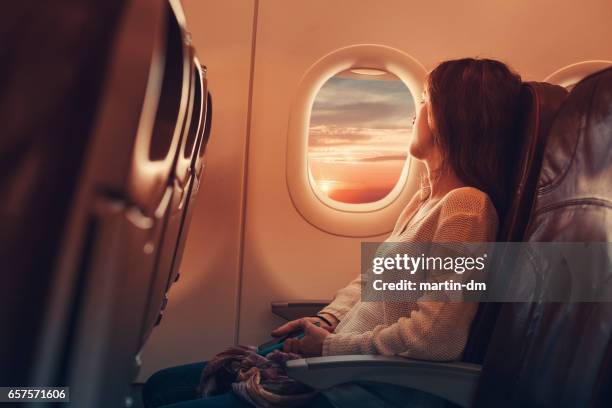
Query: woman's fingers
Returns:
{"type": "Point", "coordinates": [308, 327]}
{"type": "Point", "coordinates": [288, 327]}
{"type": "Point", "coordinates": [291, 346]}
{"type": "Point", "coordinates": [296, 346]}
{"type": "Point", "coordinates": [295, 325]}
{"type": "Point", "coordinates": [279, 331]}
{"type": "Point", "coordinates": [310, 344]}
{"type": "Point", "coordinates": [287, 346]}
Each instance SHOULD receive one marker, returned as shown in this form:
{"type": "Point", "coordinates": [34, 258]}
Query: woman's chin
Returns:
{"type": "Point", "coordinates": [416, 152]}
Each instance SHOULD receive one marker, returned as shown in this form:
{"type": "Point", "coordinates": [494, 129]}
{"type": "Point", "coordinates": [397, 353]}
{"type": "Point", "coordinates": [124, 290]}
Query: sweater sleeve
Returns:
{"type": "Point", "coordinates": [434, 330]}
{"type": "Point", "coordinates": [345, 299]}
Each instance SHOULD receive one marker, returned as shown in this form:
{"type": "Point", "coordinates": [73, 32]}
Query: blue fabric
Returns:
{"type": "Point", "coordinates": [381, 395]}
{"type": "Point", "coordinates": [175, 387]}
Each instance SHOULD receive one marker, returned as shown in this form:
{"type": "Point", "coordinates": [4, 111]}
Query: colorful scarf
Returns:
{"type": "Point", "coordinates": [259, 380]}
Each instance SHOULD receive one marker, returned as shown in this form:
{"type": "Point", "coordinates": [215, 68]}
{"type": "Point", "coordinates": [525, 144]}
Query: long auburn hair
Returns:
{"type": "Point", "coordinates": [474, 104]}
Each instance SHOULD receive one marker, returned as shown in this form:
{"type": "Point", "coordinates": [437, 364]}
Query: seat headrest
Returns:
{"type": "Point", "coordinates": [574, 194]}
{"type": "Point", "coordinates": [538, 107]}
{"type": "Point", "coordinates": [528, 363]}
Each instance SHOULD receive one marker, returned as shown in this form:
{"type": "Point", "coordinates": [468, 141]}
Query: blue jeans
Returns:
{"type": "Point", "coordinates": [175, 387]}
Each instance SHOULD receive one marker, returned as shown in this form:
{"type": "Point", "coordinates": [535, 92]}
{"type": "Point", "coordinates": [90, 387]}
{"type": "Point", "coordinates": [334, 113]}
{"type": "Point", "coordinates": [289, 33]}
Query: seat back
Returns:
{"type": "Point", "coordinates": [90, 175]}
{"type": "Point", "coordinates": [127, 229]}
{"type": "Point", "coordinates": [538, 108]}
{"type": "Point", "coordinates": [552, 354]}
{"type": "Point", "coordinates": [50, 90]}
{"type": "Point", "coordinates": [198, 171]}
{"type": "Point", "coordinates": [540, 103]}
{"type": "Point", "coordinates": [181, 183]}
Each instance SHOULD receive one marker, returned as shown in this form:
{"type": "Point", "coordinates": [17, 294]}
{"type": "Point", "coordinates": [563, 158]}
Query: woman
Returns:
{"type": "Point", "coordinates": [464, 132]}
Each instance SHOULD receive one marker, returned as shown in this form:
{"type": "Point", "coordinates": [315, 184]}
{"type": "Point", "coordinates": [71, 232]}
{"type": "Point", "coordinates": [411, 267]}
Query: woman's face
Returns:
{"type": "Point", "coordinates": [422, 145]}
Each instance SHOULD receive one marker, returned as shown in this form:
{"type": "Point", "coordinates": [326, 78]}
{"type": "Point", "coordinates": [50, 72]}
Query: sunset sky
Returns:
{"type": "Point", "coordinates": [359, 135]}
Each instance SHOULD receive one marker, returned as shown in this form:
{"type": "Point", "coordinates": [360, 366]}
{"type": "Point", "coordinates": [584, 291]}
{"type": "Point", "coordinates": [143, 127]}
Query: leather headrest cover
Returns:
{"type": "Point", "coordinates": [539, 105]}
{"type": "Point", "coordinates": [574, 191]}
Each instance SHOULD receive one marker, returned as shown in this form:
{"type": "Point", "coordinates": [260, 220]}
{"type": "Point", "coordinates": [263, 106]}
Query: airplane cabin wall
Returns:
{"type": "Point", "coordinates": [284, 256]}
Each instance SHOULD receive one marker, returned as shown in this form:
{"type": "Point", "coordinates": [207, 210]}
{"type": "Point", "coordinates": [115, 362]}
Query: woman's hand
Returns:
{"type": "Point", "coordinates": [297, 324]}
{"type": "Point", "coordinates": [312, 342]}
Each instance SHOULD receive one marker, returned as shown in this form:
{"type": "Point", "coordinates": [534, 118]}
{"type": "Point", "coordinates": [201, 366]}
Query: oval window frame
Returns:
{"type": "Point", "coordinates": [570, 75]}
{"type": "Point", "coordinates": [334, 217]}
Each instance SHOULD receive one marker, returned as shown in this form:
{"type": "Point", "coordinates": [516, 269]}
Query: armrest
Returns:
{"type": "Point", "coordinates": [453, 381]}
{"type": "Point", "coordinates": [296, 309]}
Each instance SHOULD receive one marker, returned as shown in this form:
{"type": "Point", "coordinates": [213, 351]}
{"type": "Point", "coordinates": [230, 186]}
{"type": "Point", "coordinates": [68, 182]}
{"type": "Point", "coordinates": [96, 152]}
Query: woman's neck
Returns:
{"type": "Point", "coordinates": [441, 181]}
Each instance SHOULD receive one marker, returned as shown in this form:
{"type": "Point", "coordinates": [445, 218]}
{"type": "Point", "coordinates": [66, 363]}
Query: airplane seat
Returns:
{"type": "Point", "coordinates": [197, 170]}
{"type": "Point", "coordinates": [49, 95]}
{"type": "Point", "coordinates": [128, 214]}
{"type": "Point", "coordinates": [541, 353]}
{"type": "Point", "coordinates": [538, 107]}
{"type": "Point", "coordinates": [181, 182]}
{"type": "Point", "coordinates": [89, 189]}
{"type": "Point", "coordinates": [558, 353]}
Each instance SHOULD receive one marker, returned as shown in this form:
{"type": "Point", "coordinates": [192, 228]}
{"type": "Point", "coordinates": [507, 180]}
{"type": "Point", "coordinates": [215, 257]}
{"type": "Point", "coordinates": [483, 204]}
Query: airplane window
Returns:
{"type": "Point", "coordinates": [359, 133]}
{"type": "Point", "coordinates": [570, 75]}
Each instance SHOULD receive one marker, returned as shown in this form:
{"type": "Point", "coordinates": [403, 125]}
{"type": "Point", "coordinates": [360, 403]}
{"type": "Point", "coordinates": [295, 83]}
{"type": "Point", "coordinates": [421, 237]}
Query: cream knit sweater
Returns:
{"type": "Point", "coordinates": [425, 330]}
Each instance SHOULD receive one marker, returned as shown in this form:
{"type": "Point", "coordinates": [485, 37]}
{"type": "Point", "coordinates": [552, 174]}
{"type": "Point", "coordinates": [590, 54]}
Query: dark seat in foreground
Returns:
{"type": "Point", "coordinates": [545, 354]}
{"type": "Point", "coordinates": [99, 157]}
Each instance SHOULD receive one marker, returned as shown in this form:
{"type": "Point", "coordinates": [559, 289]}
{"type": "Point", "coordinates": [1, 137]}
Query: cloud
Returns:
{"type": "Point", "coordinates": [364, 114]}
{"type": "Point", "coordinates": [356, 159]}
{"type": "Point", "coordinates": [327, 136]}
{"type": "Point", "coordinates": [391, 157]}
{"type": "Point", "coordinates": [363, 103]}
{"type": "Point", "coordinates": [332, 136]}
